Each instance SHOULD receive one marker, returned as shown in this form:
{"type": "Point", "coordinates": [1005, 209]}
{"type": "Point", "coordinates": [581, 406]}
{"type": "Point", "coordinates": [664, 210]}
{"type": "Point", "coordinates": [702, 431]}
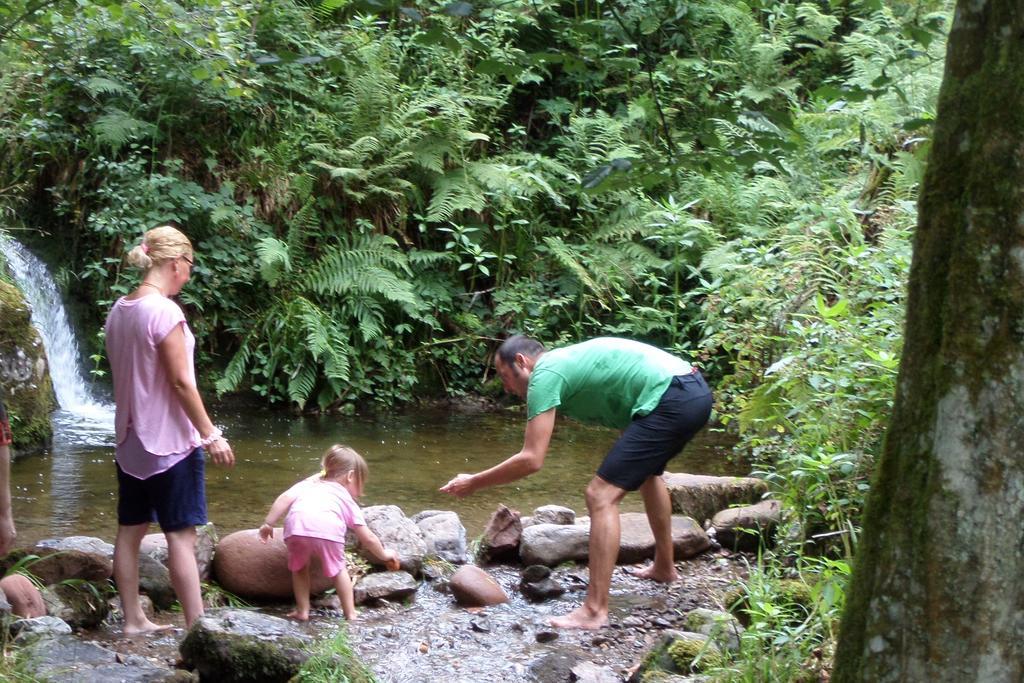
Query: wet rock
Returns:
{"type": "Point", "coordinates": [74, 557]}
{"type": "Point", "coordinates": [554, 514]}
{"type": "Point", "coordinates": [721, 627]}
{"type": "Point", "coordinates": [155, 545]}
{"type": "Point", "coordinates": [444, 535]}
{"type": "Point", "coordinates": [239, 646]}
{"type": "Point", "coordinates": [24, 374]}
{"type": "Point", "coordinates": [501, 535]}
{"type": "Point", "coordinates": [700, 496]}
{"type": "Point", "coordinates": [553, 668]}
{"type": "Point", "coordinates": [747, 528]}
{"type": "Point", "coordinates": [394, 586]}
{"type": "Point", "coordinates": [678, 653]}
{"type": "Point", "coordinates": [637, 541]}
{"type": "Point", "coordinates": [70, 660]}
{"type": "Point", "coordinates": [26, 602]}
{"type": "Point", "coordinates": [250, 569]}
{"type": "Point", "coordinates": [471, 586]}
{"type": "Point", "coordinates": [537, 584]}
{"type": "Point", "coordinates": [80, 605]}
{"type": "Point", "coordinates": [588, 672]}
{"type": "Point", "coordinates": [552, 544]}
{"type": "Point", "coordinates": [25, 630]}
{"type": "Point", "coordinates": [480, 625]}
{"type": "Point", "coordinates": [155, 581]}
{"type": "Point", "coordinates": [397, 532]}
{"type": "Point", "coordinates": [546, 635]}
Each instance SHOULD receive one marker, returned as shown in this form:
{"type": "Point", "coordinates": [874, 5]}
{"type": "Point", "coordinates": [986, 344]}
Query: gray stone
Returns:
{"type": "Point", "coordinates": [75, 557]}
{"type": "Point", "coordinates": [554, 514]}
{"type": "Point", "coordinates": [545, 589]}
{"type": "Point", "coordinates": [700, 496]}
{"type": "Point", "coordinates": [239, 646]}
{"type": "Point", "coordinates": [81, 605]}
{"type": "Point", "coordinates": [553, 668]}
{"type": "Point", "coordinates": [637, 541]}
{"type": "Point", "coordinates": [746, 528]}
{"type": "Point", "coordinates": [721, 627]}
{"type": "Point", "coordinates": [588, 672]}
{"type": "Point", "coordinates": [552, 544]}
{"type": "Point", "coordinates": [393, 586]}
{"type": "Point", "coordinates": [69, 660]}
{"type": "Point", "coordinates": [28, 629]}
{"type": "Point", "coordinates": [155, 545]}
{"type": "Point", "coordinates": [155, 581]}
{"type": "Point", "coordinates": [397, 532]}
{"type": "Point", "coordinates": [444, 535]}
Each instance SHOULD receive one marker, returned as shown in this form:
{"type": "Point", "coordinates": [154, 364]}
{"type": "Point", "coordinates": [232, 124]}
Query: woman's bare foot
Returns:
{"type": "Point", "coordinates": [657, 574]}
{"type": "Point", "coordinates": [298, 616]}
{"type": "Point", "coordinates": [582, 617]}
{"type": "Point", "coordinates": [145, 626]}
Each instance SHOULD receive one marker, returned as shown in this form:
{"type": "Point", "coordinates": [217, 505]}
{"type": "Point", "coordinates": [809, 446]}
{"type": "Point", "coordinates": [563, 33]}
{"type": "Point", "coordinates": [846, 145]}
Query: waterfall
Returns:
{"type": "Point", "coordinates": [82, 417]}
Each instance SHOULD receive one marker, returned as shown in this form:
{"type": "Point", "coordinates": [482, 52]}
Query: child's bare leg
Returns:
{"type": "Point", "coordinates": [300, 586]}
{"type": "Point", "coordinates": [343, 586]}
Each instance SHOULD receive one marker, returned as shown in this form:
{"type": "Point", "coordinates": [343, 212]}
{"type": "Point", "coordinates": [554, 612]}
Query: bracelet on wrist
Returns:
{"type": "Point", "coordinates": [214, 435]}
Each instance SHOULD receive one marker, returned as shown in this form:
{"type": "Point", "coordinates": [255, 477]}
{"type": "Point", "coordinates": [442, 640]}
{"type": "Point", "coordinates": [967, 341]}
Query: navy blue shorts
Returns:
{"type": "Point", "coordinates": [176, 498]}
{"type": "Point", "coordinates": [649, 442]}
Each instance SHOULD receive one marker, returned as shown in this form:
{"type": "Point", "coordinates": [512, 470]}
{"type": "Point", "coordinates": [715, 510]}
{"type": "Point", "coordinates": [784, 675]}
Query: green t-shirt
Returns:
{"type": "Point", "coordinates": [605, 381]}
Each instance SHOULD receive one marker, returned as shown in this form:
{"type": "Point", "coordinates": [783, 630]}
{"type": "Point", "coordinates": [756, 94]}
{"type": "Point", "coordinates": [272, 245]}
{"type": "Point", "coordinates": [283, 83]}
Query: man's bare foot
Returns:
{"type": "Point", "coordinates": [298, 616]}
{"type": "Point", "coordinates": [146, 626]}
{"type": "Point", "coordinates": [582, 617]}
{"type": "Point", "coordinates": [660, 575]}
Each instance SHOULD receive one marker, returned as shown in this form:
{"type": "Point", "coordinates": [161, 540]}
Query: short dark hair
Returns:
{"type": "Point", "coordinates": [516, 344]}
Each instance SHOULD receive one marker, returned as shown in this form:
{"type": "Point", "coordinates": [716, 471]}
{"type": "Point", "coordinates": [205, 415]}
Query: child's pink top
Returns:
{"type": "Point", "coordinates": [145, 402]}
{"type": "Point", "coordinates": [322, 509]}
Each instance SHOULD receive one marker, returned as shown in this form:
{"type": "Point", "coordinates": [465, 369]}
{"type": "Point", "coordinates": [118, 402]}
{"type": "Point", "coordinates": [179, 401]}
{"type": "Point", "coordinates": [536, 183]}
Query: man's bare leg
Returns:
{"type": "Point", "coordinates": [603, 504]}
{"type": "Point", "coordinates": [658, 505]}
{"type": "Point", "coordinates": [126, 576]}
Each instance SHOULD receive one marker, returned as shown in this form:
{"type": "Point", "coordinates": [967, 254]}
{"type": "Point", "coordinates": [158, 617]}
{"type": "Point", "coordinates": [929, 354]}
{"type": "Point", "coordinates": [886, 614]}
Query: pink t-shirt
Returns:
{"type": "Point", "coordinates": [145, 401]}
{"type": "Point", "coordinates": [321, 509]}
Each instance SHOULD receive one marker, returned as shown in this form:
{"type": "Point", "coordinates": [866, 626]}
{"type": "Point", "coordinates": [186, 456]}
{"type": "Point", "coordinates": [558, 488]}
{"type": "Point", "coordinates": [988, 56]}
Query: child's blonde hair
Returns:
{"type": "Point", "coordinates": [339, 460]}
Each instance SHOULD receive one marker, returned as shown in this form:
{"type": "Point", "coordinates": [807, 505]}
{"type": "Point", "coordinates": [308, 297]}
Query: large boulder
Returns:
{"type": "Point", "coordinates": [26, 601]}
{"type": "Point", "coordinates": [700, 496]}
{"type": "Point", "coordinates": [553, 544]}
{"type": "Point", "coordinates": [24, 376]}
{"type": "Point", "coordinates": [637, 542]}
{"type": "Point", "coordinates": [75, 557]}
{"type": "Point", "coordinates": [250, 569]}
{"type": "Point", "coordinates": [748, 527]}
{"type": "Point", "coordinates": [501, 535]}
{"type": "Point", "coordinates": [241, 646]}
{"type": "Point", "coordinates": [471, 586]}
{"type": "Point", "coordinates": [444, 535]}
{"type": "Point", "coordinates": [554, 514]}
{"type": "Point", "coordinates": [397, 532]}
{"type": "Point", "coordinates": [155, 545]}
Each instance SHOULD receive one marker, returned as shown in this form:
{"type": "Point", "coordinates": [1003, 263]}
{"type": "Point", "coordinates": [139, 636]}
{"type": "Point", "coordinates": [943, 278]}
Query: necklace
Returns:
{"type": "Point", "coordinates": [150, 284]}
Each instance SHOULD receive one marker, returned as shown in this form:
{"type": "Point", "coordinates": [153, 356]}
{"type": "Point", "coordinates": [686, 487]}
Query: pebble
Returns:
{"type": "Point", "coordinates": [546, 636]}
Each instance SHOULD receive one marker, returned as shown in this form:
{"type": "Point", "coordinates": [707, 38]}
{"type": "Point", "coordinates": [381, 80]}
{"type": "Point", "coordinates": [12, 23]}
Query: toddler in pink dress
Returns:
{"type": "Point", "coordinates": [320, 510]}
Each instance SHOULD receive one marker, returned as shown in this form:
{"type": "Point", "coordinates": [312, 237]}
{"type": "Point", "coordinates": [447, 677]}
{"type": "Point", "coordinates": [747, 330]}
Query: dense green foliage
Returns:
{"type": "Point", "coordinates": [377, 192]}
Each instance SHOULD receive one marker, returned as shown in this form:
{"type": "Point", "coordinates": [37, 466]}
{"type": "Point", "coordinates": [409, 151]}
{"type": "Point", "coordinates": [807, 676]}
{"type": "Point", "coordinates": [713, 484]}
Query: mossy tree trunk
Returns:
{"type": "Point", "coordinates": [937, 591]}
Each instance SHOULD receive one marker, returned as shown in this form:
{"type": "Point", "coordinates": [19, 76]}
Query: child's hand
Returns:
{"type": "Point", "coordinates": [391, 562]}
{"type": "Point", "coordinates": [266, 533]}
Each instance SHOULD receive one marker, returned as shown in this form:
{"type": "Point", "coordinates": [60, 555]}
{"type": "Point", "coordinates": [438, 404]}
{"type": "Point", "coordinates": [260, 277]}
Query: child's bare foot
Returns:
{"type": "Point", "coordinates": [353, 616]}
{"type": "Point", "coordinates": [298, 616]}
{"type": "Point", "coordinates": [145, 626]}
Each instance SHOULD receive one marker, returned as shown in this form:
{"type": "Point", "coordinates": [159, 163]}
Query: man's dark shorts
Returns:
{"type": "Point", "coordinates": [6, 438]}
{"type": "Point", "coordinates": [649, 442]}
{"type": "Point", "coordinates": [176, 498]}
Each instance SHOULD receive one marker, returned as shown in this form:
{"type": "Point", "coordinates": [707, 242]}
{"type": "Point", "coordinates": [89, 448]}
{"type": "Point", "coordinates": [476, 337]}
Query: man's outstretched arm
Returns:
{"type": "Point", "coordinates": [522, 464]}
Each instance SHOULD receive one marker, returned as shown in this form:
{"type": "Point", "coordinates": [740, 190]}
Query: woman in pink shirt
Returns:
{"type": "Point", "coordinates": [161, 424]}
{"type": "Point", "coordinates": [321, 510]}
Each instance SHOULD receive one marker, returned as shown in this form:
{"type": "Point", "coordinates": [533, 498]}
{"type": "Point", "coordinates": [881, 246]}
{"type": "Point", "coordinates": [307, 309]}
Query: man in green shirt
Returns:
{"type": "Point", "coordinates": [658, 401]}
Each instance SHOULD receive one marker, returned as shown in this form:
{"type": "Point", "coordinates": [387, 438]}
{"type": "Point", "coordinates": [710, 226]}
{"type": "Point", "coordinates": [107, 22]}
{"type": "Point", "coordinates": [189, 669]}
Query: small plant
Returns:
{"type": "Point", "coordinates": [215, 596]}
{"type": "Point", "coordinates": [334, 662]}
